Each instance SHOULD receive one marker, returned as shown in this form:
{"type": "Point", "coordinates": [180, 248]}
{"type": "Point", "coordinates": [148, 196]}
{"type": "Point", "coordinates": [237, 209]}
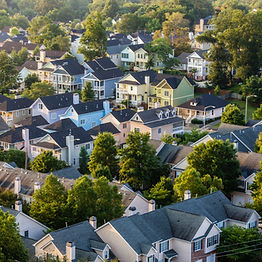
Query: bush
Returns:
{"type": "Point", "coordinates": [196, 121]}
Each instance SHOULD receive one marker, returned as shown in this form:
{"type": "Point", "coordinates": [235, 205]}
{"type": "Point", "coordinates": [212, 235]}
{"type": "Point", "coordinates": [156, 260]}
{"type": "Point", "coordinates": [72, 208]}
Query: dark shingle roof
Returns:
{"type": "Point", "coordinates": [167, 121]}
{"type": "Point", "coordinates": [61, 125]}
{"type": "Point", "coordinates": [32, 121]}
{"type": "Point", "coordinates": [225, 128]}
{"type": "Point", "coordinates": [136, 47]}
{"type": "Point", "coordinates": [71, 66]}
{"type": "Point", "coordinates": [183, 57]}
{"type": "Point", "coordinates": [203, 101]}
{"type": "Point", "coordinates": [201, 53]}
{"type": "Point", "coordinates": [88, 107]}
{"type": "Point", "coordinates": [4, 36]}
{"type": "Point", "coordinates": [58, 101]}
{"type": "Point", "coordinates": [68, 172]}
{"type": "Point", "coordinates": [9, 46]}
{"type": "Point", "coordinates": [3, 125]}
{"type": "Point", "coordinates": [102, 128]}
{"type": "Point", "coordinates": [30, 65]}
{"type": "Point", "coordinates": [4, 98]}
{"type": "Point", "coordinates": [15, 135]}
{"type": "Point", "coordinates": [53, 53]}
{"type": "Point", "coordinates": [81, 136]}
{"type": "Point", "coordinates": [117, 49]}
{"type": "Point", "coordinates": [144, 36]}
{"type": "Point", "coordinates": [140, 76]}
{"type": "Point", "coordinates": [15, 104]}
{"type": "Point", "coordinates": [123, 115]}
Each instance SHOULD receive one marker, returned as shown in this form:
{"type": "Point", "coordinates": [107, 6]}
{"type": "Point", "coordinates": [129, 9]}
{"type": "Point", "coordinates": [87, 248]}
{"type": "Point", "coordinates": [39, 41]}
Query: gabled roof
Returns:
{"type": "Point", "coordinates": [9, 46]}
{"type": "Point", "coordinates": [53, 54]}
{"type": "Point", "coordinates": [61, 125]}
{"type": "Point", "coordinates": [183, 57]}
{"type": "Point", "coordinates": [81, 234]}
{"type": "Point", "coordinates": [140, 76]}
{"type": "Point", "coordinates": [19, 37]}
{"type": "Point", "coordinates": [68, 172]}
{"type": "Point", "coordinates": [4, 36]}
{"type": "Point", "coordinates": [71, 66]}
{"type": "Point", "coordinates": [4, 98]}
{"type": "Point", "coordinates": [30, 65]}
{"type": "Point", "coordinates": [225, 128]}
{"type": "Point", "coordinates": [15, 135]}
{"type": "Point", "coordinates": [57, 101]}
{"type": "Point", "coordinates": [102, 128]}
{"type": "Point", "coordinates": [89, 107]}
{"type": "Point", "coordinates": [143, 35]}
{"type": "Point", "coordinates": [123, 115]}
{"type": "Point", "coordinates": [201, 53]}
{"type": "Point", "coordinates": [204, 101]}
{"type": "Point", "coordinates": [15, 104]}
{"type": "Point", "coordinates": [3, 125]}
{"type": "Point", "coordinates": [32, 121]}
{"type": "Point", "coordinates": [81, 136]}
{"type": "Point", "coordinates": [117, 49]}
{"type": "Point", "coordinates": [134, 48]}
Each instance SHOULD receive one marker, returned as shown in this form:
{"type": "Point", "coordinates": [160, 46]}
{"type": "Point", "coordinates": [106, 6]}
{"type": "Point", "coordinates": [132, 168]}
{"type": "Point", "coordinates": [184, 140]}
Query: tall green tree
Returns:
{"type": "Point", "coordinates": [7, 198]}
{"type": "Point", "coordinates": [20, 57]}
{"type": "Point", "coordinates": [218, 159]}
{"type": "Point", "coordinates": [87, 94]}
{"type": "Point", "coordinates": [11, 246]}
{"type": "Point", "coordinates": [105, 154]}
{"type": "Point", "coordinates": [46, 162]}
{"type": "Point", "coordinates": [253, 86]}
{"type": "Point", "coordinates": [257, 114]}
{"type": "Point", "coordinates": [49, 203]}
{"type": "Point", "coordinates": [38, 89]}
{"type": "Point", "coordinates": [20, 21]}
{"type": "Point", "coordinates": [30, 79]}
{"type": "Point", "coordinates": [83, 161]}
{"type": "Point", "coordinates": [5, 20]}
{"type": "Point", "coordinates": [256, 188]}
{"type": "Point", "coordinates": [110, 9]}
{"type": "Point", "coordinates": [232, 115]}
{"type": "Point", "coordinates": [140, 167]}
{"type": "Point", "coordinates": [17, 156]}
{"type": "Point", "coordinates": [94, 39]}
{"type": "Point", "coordinates": [239, 244]}
{"type": "Point", "coordinates": [102, 171]}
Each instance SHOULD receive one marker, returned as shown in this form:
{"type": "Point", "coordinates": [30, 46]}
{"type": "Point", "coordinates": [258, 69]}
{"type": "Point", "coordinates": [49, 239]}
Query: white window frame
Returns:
{"type": "Point", "coordinates": [53, 116]}
{"type": "Point", "coordinates": [197, 245]}
{"type": "Point", "coordinates": [40, 106]}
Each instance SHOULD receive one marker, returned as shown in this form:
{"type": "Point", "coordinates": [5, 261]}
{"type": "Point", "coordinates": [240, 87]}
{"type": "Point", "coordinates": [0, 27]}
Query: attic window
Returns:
{"type": "Point", "coordinates": [159, 114]}
{"type": "Point", "coordinates": [193, 103]}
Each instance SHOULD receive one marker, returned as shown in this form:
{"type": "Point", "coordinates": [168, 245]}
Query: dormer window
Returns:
{"type": "Point", "coordinates": [193, 103]}
{"type": "Point", "coordinates": [159, 114]}
{"type": "Point", "coordinates": [167, 113]}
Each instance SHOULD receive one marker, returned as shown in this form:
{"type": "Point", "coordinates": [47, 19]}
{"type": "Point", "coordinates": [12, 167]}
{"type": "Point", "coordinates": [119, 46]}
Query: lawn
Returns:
{"type": "Point", "coordinates": [242, 104]}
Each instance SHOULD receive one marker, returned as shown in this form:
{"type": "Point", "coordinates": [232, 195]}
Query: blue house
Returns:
{"type": "Point", "coordinates": [89, 114]}
{"type": "Point", "coordinates": [103, 74]}
{"type": "Point", "coordinates": [67, 76]}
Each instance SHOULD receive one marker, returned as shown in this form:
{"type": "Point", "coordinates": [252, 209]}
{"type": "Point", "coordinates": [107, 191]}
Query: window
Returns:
{"type": "Point", "coordinates": [102, 93]}
{"type": "Point", "coordinates": [87, 146]}
{"type": "Point", "coordinates": [17, 113]}
{"type": "Point", "coordinates": [29, 111]}
{"type": "Point", "coordinates": [72, 110]}
{"type": "Point", "coordinates": [93, 124]}
{"type": "Point", "coordinates": [197, 245]}
{"type": "Point", "coordinates": [124, 55]}
{"type": "Point", "coordinates": [124, 135]}
{"type": "Point", "coordinates": [102, 83]}
{"type": "Point", "coordinates": [106, 254]}
{"type": "Point", "coordinates": [220, 224]}
{"type": "Point", "coordinates": [82, 122]}
{"type": "Point", "coordinates": [117, 95]}
{"type": "Point", "coordinates": [53, 115]}
{"type": "Point", "coordinates": [252, 224]}
{"type": "Point", "coordinates": [151, 259]}
{"type": "Point", "coordinates": [40, 106]}
{"type": "Point", "coordinates": [138, 55]}
{"type": "Point", "coordinates": [212, 112]}
{"type": "Point", "coordinates": [26, 233]}
{"type": "Point", "coordinates": [131, 88]}
{"type": "Point", "coordinates": [164, 246]}
{"type": "Point", "coordinates": [159, 131]}
{"type": "Point", "coordinates": [166, 103]}
{"type": "Point", "coordinates": [74, 162]}
{"type": "Point", "coordinates": [137, 129]}
{"type": "Point", "coordinates": [211, 241]}
{"type": "Point", "coordinates": [124, 125]}
{"type": "Point", "coordinates": [166, 93]}
{"type": "Point", "coordinates": [23, 112]}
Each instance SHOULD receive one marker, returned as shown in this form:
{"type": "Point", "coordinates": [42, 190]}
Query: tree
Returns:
{"type": "Point", "coordinates": [87, 94]}
{"type": "Point", "coordinates": [105, 154]}
{"type": "Point", "coordinates": [20, 57]}
{"type": "Point", "coordinates": [253, 86]}
{"type": "Point", "coordinates": [43, 6]}
{"type": "Point", "coordinates": [82, 200]}
{"type": "Point", "coordinates": [217, 91]}
{"type": "Point", "coordinates": [110, 9]}
{"type": "Point", "coordinates": [258, 146]}
{"type": "Point", "coordinates": [17, 156]}
{"type": "Point", "coordinates": [4, 19]}
{"type": "Point", "coordinates": [218, 159]}
{"type": "Point", "coordinates": [192, 136]}
{"type": "Point", "coordinates": [232, 115]}
{"type": "Point", "coordinates": [30, 79]}
{"type": "Point", "coordinates": [20, 21]}
{"type": "Point", "coordinates": [11, 246]}
{"type": "Point", "coordinates": [258, 113]}
{"type": "Point", "coordinates": [102, 171]}
{"type": "Point", "coordinates": [83, 159]}
{"type": "Point", "coordinates": [256, 188]}
{"type": "Point", "coordinates": [129, 23]}
{"type": "Point", "coordinates": [94, 39]}
{"type": "Point", "coordinates": [38, 89]}
{"type": "Point", "coordinates": [46, 162]}
{"type": "Point", "coordinates": [14, 31]}
{"type": "Point", "coordinates": [7, 198]}
{"type": "Point", "coordinates": [49, 203]}
{"type": "Point", "coordinates": [168, 139]}
{"type": "Point", "coordinates": [239, 244]}
{"type": "Point", "coordinates": [140, 167]}
{"type": "Point", "coordinates": [108, 202]}
{"type": "Point", "coordinates": [60, 42]}
{"type": "Point", "coordinates": [8, 73]}
{"type": "Point", "coordinates": [162, 192]}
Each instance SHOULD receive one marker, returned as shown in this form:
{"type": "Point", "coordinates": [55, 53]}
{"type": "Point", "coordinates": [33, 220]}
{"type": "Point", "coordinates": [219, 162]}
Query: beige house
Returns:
{"type": "Point", "coordinates": [77, 242]}
{"type": "Point", "coordinates": [121, 120]}
{"type": "Point", "coordinates": [15, 110]}
{"type": "Point", "coordinates": [157, 122]}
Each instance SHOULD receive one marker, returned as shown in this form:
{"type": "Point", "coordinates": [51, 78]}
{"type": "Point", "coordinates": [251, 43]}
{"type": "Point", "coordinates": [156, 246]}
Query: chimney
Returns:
{"type": "Point", "coordinates": [25, 135]}
{"type": "Point", "coordinates": [132, 211]}
{"type": "Point", "coordinates": [70, 148]}
{"type": "Point", "coordinates": [147, 83]}
{"type": "Point", "coordinates": [18, 206]}
{"type": "Point", "coordinates": [39, 64]}
{"type": "Point", "coordinates": [70, 251]}
{"type": "Point", "coordinates": [152, 205]}
{"type": "Point", "coordinates": [140, 109]}
{"type": "Point", "coordinates": [17, 188]}
{"type": "Point", "coordinates": [93, 222]}
{"type": "Point", "coordinates": [75, 98]}
{"type": "Point", "coordinates": [187, 194]}
{"type": "Point", "coordinates": [36, 186]}
{"type": "Point", "coordinates": [235, 144]}
{"type": "Point", "coordinates": [106, 106]}
{"type": "Point", "coordinates": [42, 55]}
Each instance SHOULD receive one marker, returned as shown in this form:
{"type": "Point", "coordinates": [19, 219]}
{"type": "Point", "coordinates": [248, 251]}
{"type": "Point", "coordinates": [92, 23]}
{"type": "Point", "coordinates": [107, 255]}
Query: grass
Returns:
{"type": "Point", "coordinates": [242, 105]}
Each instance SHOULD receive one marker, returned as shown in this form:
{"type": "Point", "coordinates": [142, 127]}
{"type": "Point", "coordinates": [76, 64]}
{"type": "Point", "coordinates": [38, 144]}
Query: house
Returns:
{"type": "Point", "coordinates": [121, 120]}
{"type": "Point", "coordinates": [46, 56]}
{"type": "Point", "coordinates": [17, 138]}
{"type": "Point", "coordinates": [3, 37]}
{"type": "Point", "coordinates": [28, 68]}
{"type": "Point", "coordinates": [249, 166]}
{"type": "Point", "coordinates": [170, 90]}
{"type": "Point", "coordinates": [3, 126]}
{"type": "Point", "coordinates": [15, 110]}
{"type": "Point", "coordinates": [105, 128]}
{"type": "Point", "coordinates": [65, 145]}
{"type": "Point", "coordinates": [157, 122]}
{"type": "Point", "coordinates": [10, 46]}
{"type": "Point", "coordinates": [67, 77]}
{"type": "Point", "coordinates": [37, 121]}
{"type": "Point", "coordinates": [204, 107]}
{"type": "Point", "coordinates": [60, 125]}
{"type": "Point", "coordinates": [88, 114]}
{"type": "Point", "coordinates": [78, 242]}
{"type": "Point", "coordinates": [103, 74]}
{"type": "Point", "coordinates": [197, 61]}
{"type": "Point", "coordinates": [133, 202]}
{"type": "Point", "coordinates": [25, 182]}
{"type": "Point", "coordinates": [164, 234]}
{"type": "Point", "coordinates": [28, 227]}
{"type": "Point", "coordinates": [114, 53]}
{"type": "Point", "coordinates": [140, 37]}
{"type": "Point", "coordinates": [183, 61]}
{"type": "Point", "coordinates": [51, 107]}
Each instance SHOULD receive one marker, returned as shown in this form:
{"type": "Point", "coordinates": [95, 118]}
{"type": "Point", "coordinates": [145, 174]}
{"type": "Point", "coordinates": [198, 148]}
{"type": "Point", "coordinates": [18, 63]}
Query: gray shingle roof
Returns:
{"type": "Point", "coordinates": [183, 57]}
{"type": "Point", "coordinates": [88, 107]}
{"type": "Point", "coordinates": [58, 101]}
{"type": "Point", "coordinates": [136, 47]}
{"type": "Point", "coordinates": [32, 121]}
{"type": "Point", "coordinates": [167, 121]}
{"type": "Point", "coordinates": [15, 104]}
{"type": "Point", "coordinates": [71, 66]}
{"type": "Point", "coordinates": [140, 76]}
{"type": "Point", "coordinates": [61, 125]}
{"type": "Point", "coordinates": [69, 172]}
{"type": "Point", "coordinates": [117, 49]}
{"type": "Point", "coordinates": [4, 36]}
{"type": "Point", "coordinates": [123, 115]}
{"type": "Point", "coordinates": [102, 128]}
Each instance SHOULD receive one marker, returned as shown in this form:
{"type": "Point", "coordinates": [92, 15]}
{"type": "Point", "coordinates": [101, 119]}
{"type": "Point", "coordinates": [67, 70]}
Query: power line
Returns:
{"type": "Point", "coordinates": [246, 251]}
{"type": "Point", "coordinates": [239, 243]}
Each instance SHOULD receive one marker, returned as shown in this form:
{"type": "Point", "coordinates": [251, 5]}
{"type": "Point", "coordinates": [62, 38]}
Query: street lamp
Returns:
{"type": "Point", "coordinates": [246, 106]}
{"type": "Point", "coordinates": [205, 114]}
